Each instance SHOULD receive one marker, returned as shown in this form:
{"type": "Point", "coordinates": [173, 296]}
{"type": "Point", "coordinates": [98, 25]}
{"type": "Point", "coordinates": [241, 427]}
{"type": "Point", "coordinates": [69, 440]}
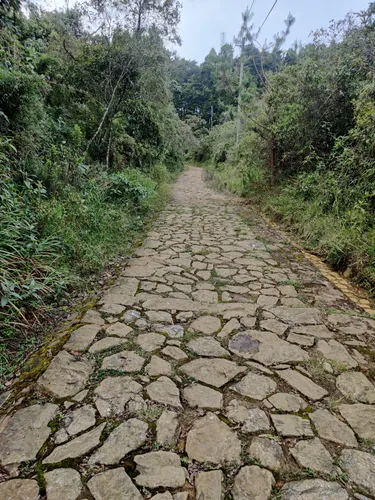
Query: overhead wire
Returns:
{"type": "Point", "coordinates": [268, 15]}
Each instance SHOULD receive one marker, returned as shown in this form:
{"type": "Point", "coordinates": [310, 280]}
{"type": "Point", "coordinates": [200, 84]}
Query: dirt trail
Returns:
{"type": "Point", "coordinates": [220, 365]}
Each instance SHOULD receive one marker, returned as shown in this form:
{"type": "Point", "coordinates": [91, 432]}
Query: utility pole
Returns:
{"type": "Point", "coordinates": [212, 117]}
{"type": "Point", "coordinates": [223, 39]}
{"type": "Point", "coordinates": [239, 103]}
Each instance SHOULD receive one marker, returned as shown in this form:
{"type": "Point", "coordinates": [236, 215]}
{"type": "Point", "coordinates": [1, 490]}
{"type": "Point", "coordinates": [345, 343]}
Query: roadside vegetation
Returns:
{"type": "Point", "coordinates": [294, 131]}
{"type": "Point", "coordinates": [89, 140]}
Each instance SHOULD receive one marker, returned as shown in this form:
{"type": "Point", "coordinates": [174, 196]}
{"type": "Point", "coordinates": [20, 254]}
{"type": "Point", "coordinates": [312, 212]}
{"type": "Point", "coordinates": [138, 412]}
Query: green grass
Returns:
{"type": "Point", "coordinates": [341, 240]}
{"type": "Point", "coordinates": [225, 178]}
{"type": "Point", "coordinates": [15, 345]}
{"type": "Point", "coordinates": [53, 246]}
{"type": "Point", "coordinates": [329, 222]}
{"type": "Point", "coordinates": [150, 413]}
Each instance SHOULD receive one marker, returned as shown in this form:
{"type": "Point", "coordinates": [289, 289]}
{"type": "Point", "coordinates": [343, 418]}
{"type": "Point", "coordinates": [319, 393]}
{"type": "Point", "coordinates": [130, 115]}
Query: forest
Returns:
{"type": "Point", "coordinates": [98, 114]}
{"type": "Point", "coordinates": [292, 130]}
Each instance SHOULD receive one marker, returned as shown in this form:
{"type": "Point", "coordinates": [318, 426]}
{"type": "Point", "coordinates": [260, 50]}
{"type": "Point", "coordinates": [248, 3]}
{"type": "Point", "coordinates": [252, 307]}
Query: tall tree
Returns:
{"type": "Point", "coordinates": [245, 37]}
{"type": "Point", "coordinates": [140, 16]}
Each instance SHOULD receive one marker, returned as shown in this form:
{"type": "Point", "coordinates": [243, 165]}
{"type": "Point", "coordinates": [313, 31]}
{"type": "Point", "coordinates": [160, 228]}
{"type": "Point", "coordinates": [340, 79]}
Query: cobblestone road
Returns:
{"type": "Point", "coordinates": [220, 365]}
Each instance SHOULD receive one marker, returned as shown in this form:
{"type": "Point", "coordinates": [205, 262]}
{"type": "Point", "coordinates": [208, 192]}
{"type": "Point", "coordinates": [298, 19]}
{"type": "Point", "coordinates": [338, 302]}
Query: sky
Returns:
{"type": "Point", "coordinates": [203, 21]}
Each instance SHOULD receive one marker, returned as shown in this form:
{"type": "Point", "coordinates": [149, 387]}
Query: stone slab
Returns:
{"type": "Point", "coordinates": [77, 447]}
{"type": "Point", "coordinates": [25, 433]}
{"type": "Point", "coordinates": [303, 384]}
{"type": "Point", "coordinates": [215, 372]}
{"type": "Point", "coordinates": [113, 484]}
{"type": "Point", "coordinates": [66, 375]}
{"type": "Point", "coordinates": [211, 440]}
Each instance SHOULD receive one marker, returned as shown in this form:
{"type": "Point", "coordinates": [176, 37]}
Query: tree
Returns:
{"type": "Point", "coordinates": [10, 4]}
{"type": "Point", "coordinates": [185, 86]}
{"type": "Point", "coordinates": [279, 40]}
{"type": "Point", "coordinates": [140, 16]}
{"type": "Point", "coordinates": [8, 11]}
{"type": "Point", "coordinates": [244, 37]}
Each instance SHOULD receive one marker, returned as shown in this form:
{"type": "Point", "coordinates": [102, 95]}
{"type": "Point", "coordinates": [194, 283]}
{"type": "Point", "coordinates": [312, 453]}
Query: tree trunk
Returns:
{"type": "Point", "coordinates": [139, 15]}
{"type": "Point", "coordinates": [239, 104]}
{"type": "Point", "coordinates": [109, 146]}
{"type": "Point", "coordinates": [273, 162]}
{"type": "Point", "coordinates": [107, 109]}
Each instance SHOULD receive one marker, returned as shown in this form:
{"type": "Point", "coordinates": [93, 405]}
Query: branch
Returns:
{"type": "Point", "coordinates": [264, 75]}
{"type": "Point", "coordinates": [109, 145]}
{"type": "Point", "coordinates": [95, 31]}
{"type": "Point", "coordinates": [259, 125]}
{"type": "Point", "coordinates": [109, 105]}
{"type": "Point", "coordinates": [260, 76]}
{"type": "Point", "coordinates": [68, 52]}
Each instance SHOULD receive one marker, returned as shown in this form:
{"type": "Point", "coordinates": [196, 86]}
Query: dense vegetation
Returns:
{"type": "Point", "coordinates": [88, 138]}
{"type": "Point", "coordinates": [295, 131]}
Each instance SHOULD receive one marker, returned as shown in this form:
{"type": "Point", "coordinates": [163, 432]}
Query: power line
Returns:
{"type": "Point", "coordinates": [268, 15]}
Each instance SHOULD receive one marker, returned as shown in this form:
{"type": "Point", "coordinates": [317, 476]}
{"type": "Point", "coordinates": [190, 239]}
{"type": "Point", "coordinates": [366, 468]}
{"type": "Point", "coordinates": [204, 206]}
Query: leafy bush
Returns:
{"type": "Point", "coordinates": [92, 228]}
{"type": "Point", "coordinates": [160, 174]}
{"type": "Point", "coordinates": [132, 188]}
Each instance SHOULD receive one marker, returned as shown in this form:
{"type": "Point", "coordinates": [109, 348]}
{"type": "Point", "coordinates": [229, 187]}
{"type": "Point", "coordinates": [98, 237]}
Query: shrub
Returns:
{"type": "Point", "coordinates": [160, 174]}
{"type": "Point", "coordinates": [133, 188]}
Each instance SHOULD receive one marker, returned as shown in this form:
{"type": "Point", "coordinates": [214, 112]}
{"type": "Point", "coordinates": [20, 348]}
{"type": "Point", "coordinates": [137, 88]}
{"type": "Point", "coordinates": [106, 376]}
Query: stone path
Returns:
{"type": "Point", "coordinates": [220, 365]}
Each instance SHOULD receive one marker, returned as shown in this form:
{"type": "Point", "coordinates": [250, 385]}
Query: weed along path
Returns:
{"type": "Point", "coordinates": [220, 365]}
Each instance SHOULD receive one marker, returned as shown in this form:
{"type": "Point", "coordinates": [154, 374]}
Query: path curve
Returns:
{"type": "Point", "coordinates": [220, 365]}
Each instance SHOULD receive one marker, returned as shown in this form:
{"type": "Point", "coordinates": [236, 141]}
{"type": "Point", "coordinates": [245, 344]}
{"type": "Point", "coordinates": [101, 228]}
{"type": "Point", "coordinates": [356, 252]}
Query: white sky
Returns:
{"type": "Point", "coordinates": [202, 21]}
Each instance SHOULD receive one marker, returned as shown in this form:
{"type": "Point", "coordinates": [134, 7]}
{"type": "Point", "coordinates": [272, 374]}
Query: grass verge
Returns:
{"type": "Point", "coordinates": [56, 248]}
{"type": "Point", "coordinates": [342, 235]}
